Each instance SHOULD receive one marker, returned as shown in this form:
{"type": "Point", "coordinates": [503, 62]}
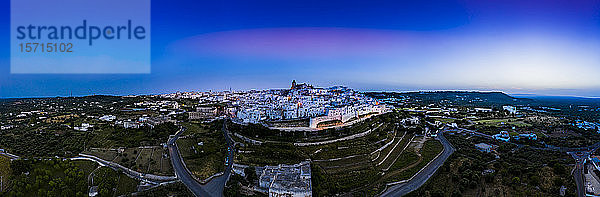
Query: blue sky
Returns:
{"type": "Point", "coordinates": [541, 46]}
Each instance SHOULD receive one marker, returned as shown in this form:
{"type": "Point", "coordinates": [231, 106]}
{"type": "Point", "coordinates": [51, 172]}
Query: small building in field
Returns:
{"type": "Point", "coordinates": [483, 147]}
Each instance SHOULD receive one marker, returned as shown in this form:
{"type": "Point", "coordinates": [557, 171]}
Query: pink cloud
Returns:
{"type": "Point", "coordinates": [300, 43]}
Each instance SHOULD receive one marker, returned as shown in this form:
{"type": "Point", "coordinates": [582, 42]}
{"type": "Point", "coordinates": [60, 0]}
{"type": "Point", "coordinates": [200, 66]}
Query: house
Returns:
{"type": "Point", "coordinates": [510, 109]}
{"type": "Point", "coordinates": [153, 121]}
{"type": "Point", "coordinates": [203, 113]}
{"type": "Point", "coordinates": [108, 118]}
{"type": "Point", "coordinates": [286, 180]}
{"type": "Point", "coordinates": [93, 191]}
{"type": "Point", "coordinates": [531, 136]}
{"type": "Point", "coordinates": [84, 127]}
{"type": "Point", "coordinates": [131, 124]}
{"type": "Point", "coordinates": [503, 136]}
{"type": "Point", "coordinates": [595, 161]}
{"type": "Point", "coordinates": [483, 110]}
{"type": "Point", "coordinates": [483, 147]}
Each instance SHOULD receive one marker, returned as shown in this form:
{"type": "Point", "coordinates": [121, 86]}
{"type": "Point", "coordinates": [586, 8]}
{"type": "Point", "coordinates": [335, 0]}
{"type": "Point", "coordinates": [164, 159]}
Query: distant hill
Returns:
{"type": "Point", "coordinates": [574, 107]}
{"type": "Point", "coordinates": [462, 98]}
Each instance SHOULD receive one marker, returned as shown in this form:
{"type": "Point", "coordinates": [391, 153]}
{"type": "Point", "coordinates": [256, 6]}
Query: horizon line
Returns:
{"type": "Point", "coordinates": [387, 91]}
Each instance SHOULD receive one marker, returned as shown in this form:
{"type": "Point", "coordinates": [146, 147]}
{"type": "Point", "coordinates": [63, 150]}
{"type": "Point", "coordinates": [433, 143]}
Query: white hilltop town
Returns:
{"type": "Point", "coordinates": [302, 106]}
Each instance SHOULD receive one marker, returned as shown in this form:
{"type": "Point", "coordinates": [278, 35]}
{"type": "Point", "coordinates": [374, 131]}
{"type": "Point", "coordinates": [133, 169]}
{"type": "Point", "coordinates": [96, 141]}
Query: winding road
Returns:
{"type": "Point", "coordinates": [150, 178]}
{"type": "Point", "coordinates": [181, 171]}
{"type": "Point", "coordinates": [579, 154]}
{"type": "Point", "coordinates": [10, 156]}
{"type": "Point", "coordinates": [216, 185]}
{"type": "Point", "coordinates": [422, 176]}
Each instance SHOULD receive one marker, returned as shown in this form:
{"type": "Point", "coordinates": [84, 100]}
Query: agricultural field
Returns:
{"type": "Point", "coordinates": [517, 122]}
{"type": "Point", "coordinates": [177, 189]}
{"type": "Point", "coordinates": [150, 159]}
{"type": "Point", "coordinates": [115, 183]}
{"type": "Point", "coordinates": [368, 176]}
{"type": "Point", "coordinates": [5, 173]}
{"type": "Point", "coordinates": [363, 145]}
{"type": "Point", "coordinates": [203, 149]}
{"type": "Point", "coordinates": [269, 154]}
{"type": "Point", "coordinates": [416, 158]}
{"type": "Point", "coordinates": [116, 136]}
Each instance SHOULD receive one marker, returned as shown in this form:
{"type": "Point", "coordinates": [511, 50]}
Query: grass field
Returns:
{"type": "Point", "coordinates": [201, 161]}
{"type": "Point", "coordinates": [153, 160]}
{"type": "Point", "coordinates": [506, 121]}
{"type": "Point", "coordinates": [5, 172]}
{"type": "Point", "coordinates": [192, 128]}
{"type": "Point", "coordinates": [363, 177]}
{"type": "Point", "coordinates": [400, 148]}
{"type": "Point", "coordinates": [430, 150]}
{"type": "Point", "coordinates": [362, 145]}
{"type": "Point", "coordinates": [176, 189]}
{"type": "Point", "coordinates": [444, 120]}
{"type": "Point", "coordinates": [203, 149]}
{"type": "Point", "coordinates": [114, 183]}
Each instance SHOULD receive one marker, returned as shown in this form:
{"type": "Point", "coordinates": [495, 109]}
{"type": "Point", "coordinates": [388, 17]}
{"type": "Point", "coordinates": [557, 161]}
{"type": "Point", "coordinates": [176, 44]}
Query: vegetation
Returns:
{"type": "Point", "coordinates": [47, 178]}
{"type": "Point", "coordinates": [65, 178]}
{"type": "Point", "coordinates": [204, 149]}
{"type": "Point", "coordinates": [350, 167]}
{"type": "Point", "coordinates": [238, 186]}
{"type": "Point", "coordinates": [271, 154]}
{"type": "Point", "coordinates": [524, 172]}
{"type": "Point", "coordinates": [177, 189]}
{"type": "Point", "coordinates": [5, 173]}
{"type": "Point", "coordinates": [113, 183]}
{"type": "Point", "coordinates": [150, 159]}
{"type": "Point", "coordinates": [430, 150]}
{"type": "Point", "coordinates": [51, 143]}
{"type": "Point", "coordinates": [260, 132]}
{"type": "Point", "coordinates": [115, 136]}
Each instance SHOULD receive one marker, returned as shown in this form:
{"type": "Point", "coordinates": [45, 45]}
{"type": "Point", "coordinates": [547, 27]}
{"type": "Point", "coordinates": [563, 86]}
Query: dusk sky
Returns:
{"type": "Point", "coordinates": [542, 47]}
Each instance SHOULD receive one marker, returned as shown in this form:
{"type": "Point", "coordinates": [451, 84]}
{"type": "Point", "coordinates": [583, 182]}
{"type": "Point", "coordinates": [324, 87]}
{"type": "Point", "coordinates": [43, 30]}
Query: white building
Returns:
{"type": "Point", "coordinates": [510, 109]}
{"type": "Point", "coordinates": [286, 180]}
{"type": "Point", "coordinates": [485, 110]}
{"type": "Point", "coordinates": [108, 118]}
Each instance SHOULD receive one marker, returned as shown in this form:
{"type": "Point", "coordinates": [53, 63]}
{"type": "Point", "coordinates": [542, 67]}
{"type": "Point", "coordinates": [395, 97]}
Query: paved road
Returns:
{"type": "Point", "coordinates": [150, 178]}
{"type": "Point", "coordinates": [579, 180]}
{"type": "Point", "coordinates": [180, 170]}
{"type": "Point", "coordinates": [10, 156]}
{"type": "Point", "coordinates": [216, 185]}
{"type": "Point", "coordinates": [580, 158]}
{"type": "Point", "coordinates": [423, 175]}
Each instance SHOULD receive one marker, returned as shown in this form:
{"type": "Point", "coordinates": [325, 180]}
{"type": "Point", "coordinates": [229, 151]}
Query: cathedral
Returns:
{"type": "Point", "coordinates": [296, 86]}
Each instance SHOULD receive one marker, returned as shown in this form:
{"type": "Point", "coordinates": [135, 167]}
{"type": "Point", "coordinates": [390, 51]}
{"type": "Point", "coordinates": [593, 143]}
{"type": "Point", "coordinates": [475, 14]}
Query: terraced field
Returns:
{"type": "Point", "coordinates": [414, 160]}
{"type": "Point", "coordinates": [360, 166]}
{"type": "Point", "coordinates": [368, 174]}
